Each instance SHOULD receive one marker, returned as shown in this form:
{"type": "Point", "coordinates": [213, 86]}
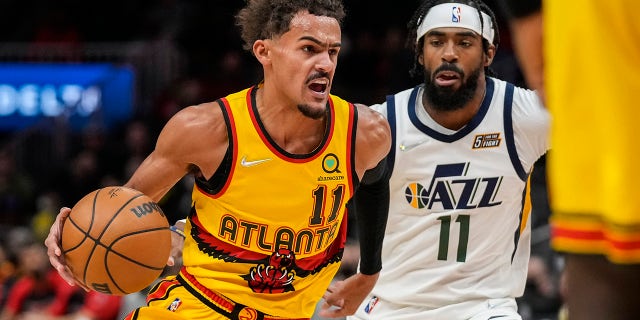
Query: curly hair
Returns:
{"type": "Point", "coordinates": [421, 12]}
{"type": "Point", "coordinates": [266, 19]}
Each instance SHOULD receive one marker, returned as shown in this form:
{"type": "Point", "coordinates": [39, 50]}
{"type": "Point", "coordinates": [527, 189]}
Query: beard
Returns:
{"type": "Point", "coordinates": [447, 98]}
{"type": "Point", "coordinates": [312, 113]}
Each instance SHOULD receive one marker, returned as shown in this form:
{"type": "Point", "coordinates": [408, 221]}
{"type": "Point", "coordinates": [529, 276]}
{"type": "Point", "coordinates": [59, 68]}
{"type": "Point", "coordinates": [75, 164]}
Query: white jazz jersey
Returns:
{"type": "Point", "coordinates": [457, 239]}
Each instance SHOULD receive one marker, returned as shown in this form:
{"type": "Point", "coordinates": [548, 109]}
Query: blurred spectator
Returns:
{"type": "Point", "coordinates": [39, 287]}
{"type": "Point", "coordinates": [8, 266]}
{"type": "Point", "coordinates": [182, 93]}
{"type": "Point", "coordinates": [48, 204]}
{"type": "Point", "coordinates": [81, 176]}
{"type": "Point", "coordinates": [138, 145]}
{"type": "Point", "coordinates": [134, 147]}
{"type": "Point", "coordinates": [95, 306]}
{"type": "Point", "coordinates": [16, 192]}
{"type": "Point", "coordinates": [232, 72]}
{"type": "Point", "coordinates": [357, 77]}
{"type": "Point", "coordinates": [392, 65]}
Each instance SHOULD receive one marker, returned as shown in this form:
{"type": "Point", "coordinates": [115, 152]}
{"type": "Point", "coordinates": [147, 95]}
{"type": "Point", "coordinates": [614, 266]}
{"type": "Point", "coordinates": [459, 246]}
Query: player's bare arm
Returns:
{"type": "Point", "coordinates": [527, 40]}
{"type": "Point", "coordinates": [193, 141]}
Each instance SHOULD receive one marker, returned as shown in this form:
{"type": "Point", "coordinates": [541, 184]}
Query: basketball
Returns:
{"type": "Point", "coordinates": [116, 240]}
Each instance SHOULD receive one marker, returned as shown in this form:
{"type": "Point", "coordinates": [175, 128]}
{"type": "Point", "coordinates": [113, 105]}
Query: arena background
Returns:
{"type": "Point", "coordinates": [146, 60]}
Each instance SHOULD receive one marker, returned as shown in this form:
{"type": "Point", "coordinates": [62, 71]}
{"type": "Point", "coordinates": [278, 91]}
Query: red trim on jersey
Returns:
{"type": "Point", "coordinates": [332, 117]}
{"type": "Point", "coordinates": [161, 290]}
{"type": "Point", "coordinates": [234, 144]}
{"type": "Point", "coordinates": [132, 315]}
{"type": "Point", "coordinates": [350, 148]}
{"type": "Point", "coordinates": [221, 301]}
{"type": "Point", "coordinates": [596, 235]}
{"type": "Point", "coordinates": [577, 234]}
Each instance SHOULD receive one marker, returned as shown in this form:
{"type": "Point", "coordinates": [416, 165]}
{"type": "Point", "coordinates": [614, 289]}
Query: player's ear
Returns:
{"type": "Point", "coordinates": [490, 54]}
{"type": "Point", "coordinates": [261, 51]}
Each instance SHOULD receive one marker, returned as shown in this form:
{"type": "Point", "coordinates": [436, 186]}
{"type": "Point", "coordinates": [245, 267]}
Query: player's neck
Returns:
{"type": "Point", "coordinates": [289, 128]}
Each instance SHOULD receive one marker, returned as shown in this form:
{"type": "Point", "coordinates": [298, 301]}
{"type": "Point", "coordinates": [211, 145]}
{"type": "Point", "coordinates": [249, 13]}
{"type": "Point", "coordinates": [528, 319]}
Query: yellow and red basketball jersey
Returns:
{"type": "Point", "coordinates": [272, 237]}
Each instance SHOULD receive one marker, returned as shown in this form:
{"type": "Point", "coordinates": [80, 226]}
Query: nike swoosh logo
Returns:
{"type": "Point", "coordinates": [407, 147]}
{"type": "Point", "coordinates": [252, 163]}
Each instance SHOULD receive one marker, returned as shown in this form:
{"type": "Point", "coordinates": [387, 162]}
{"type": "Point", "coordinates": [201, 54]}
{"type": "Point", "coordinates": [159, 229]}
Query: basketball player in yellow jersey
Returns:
{"type": "Point", "coordinates": [275, 167]}
{"type": "Point", "coordinates": [587, 60]}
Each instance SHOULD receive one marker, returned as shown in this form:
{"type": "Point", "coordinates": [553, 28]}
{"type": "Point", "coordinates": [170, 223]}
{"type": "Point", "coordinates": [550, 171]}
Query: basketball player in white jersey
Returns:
{"type": "Point", "coordinates": [457, 240]}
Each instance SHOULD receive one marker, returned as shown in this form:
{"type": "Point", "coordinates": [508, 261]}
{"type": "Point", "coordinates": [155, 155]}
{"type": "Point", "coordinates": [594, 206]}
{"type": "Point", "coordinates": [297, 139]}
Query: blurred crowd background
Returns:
{"type": "Point", "coordinates": [182, 52]}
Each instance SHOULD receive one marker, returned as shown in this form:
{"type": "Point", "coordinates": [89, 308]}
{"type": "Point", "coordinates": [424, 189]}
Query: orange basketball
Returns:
{"type": "Point", "coordinates": [116, 240]}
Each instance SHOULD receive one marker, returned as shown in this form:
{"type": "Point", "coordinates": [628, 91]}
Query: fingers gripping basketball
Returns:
{"type": "Point", "coordinates": [116, 240]}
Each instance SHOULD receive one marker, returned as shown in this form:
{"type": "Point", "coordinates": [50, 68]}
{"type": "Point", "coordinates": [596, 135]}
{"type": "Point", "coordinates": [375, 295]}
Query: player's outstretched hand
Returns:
{"type": "Point", "coordinates": [56, 257]}
{"type": "Point", "coordinates": [344, 297]}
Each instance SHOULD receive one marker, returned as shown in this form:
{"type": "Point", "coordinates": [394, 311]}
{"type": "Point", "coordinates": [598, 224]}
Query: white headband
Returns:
{"type": "Point", "coordinates": [456, 15]}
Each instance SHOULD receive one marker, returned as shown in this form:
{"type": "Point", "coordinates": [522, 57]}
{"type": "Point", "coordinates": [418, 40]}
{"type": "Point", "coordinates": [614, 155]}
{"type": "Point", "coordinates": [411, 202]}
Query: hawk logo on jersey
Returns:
{"type": "Point", "coordinates": [490, 140]}
{"type": "Point", "coordinates": [274, 277]}
{"type": "Point", "coordinates": [450, 189]}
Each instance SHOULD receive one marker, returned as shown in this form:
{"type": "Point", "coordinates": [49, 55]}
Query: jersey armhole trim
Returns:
{"type": "Point", "coordinates": [510, 138]}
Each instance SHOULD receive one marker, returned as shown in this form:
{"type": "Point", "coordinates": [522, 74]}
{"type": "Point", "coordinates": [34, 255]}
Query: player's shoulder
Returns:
{"type": "Point", "coordinates": [199, 114]}
{"type": "Point", "coordinates": [528, 113]}
{"type": "Point", "coordinates": [500, 87]}
{"type": "Point", "coordinates": [373, 128]}
{"type": "Point", "coordinates": [522, 98]}
{"type": "Point", "coordinates": [368, 116]}
{"type": "Point", "coordinates": [205, 119]}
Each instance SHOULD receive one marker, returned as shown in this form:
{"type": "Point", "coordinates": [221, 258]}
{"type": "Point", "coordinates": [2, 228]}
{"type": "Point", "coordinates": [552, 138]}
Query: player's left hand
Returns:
{"type": "Point", "coordinates": [344, 297]}
{"type": "Point", "coordinates": [54, 250]}
{"type": "Point", "coordinates": [177, 242]}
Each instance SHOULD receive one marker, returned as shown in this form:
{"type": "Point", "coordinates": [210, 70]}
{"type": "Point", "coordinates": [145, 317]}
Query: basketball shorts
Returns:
{"type": "Point", "coordinates": [593, 187]}
{"type": "Point", "coordinates": [173, 298]}
{"type": "Point", "coordinates": [374, 308]}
